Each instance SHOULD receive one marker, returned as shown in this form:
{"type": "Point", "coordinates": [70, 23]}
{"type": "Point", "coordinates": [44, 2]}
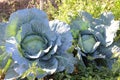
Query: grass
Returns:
{"type": "Point", "coordinates": [70, 8]}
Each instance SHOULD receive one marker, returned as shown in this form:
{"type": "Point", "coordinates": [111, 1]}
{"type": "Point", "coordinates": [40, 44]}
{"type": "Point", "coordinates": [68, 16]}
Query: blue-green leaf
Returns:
{"type": "Point", "coordinates": [2, 33]}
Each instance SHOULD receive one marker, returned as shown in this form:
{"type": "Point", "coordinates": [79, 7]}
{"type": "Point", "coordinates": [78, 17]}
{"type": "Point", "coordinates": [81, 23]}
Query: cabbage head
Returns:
{"type": "Point", "coordinates": [94, 36]}
{"type": "Point", "coordinates": [30, 37]}
{"type": "Point", "coordinates": [88, 41]}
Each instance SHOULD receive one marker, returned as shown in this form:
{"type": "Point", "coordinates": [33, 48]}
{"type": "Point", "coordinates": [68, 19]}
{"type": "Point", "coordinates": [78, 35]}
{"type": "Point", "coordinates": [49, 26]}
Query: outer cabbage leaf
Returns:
{"type": "Point", "coordinates": [63, 56]}
{"type": "Point", "coordinates": [107, 52]}
{"type": "Point", "coordinates": [86, 16]}
{"type": "Point", "coordinates": [6, 64]}
{"type": "Point", "coordinates": [5, 58]}
{"type": "Point", "coordinates": [2, 33]}
{"type": "Point", "coordinates": [63, 29]}
{"type": "Point", "coordinates": [19, 61]}
{"type": "Point", "coordinates": [66, 62]}
{"type": "Point", "coordinates": [107, 18]}
{"type": "Point", "coordinates": [77, 26]}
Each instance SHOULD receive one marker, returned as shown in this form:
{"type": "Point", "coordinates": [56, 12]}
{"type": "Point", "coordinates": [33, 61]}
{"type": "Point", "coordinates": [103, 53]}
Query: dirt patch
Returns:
{"type": "Point", "coordinates": [7, 7]}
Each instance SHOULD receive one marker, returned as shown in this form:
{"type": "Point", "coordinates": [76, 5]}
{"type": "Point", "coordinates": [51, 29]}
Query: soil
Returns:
{"type": "Point", "coordinates": [9, 6]}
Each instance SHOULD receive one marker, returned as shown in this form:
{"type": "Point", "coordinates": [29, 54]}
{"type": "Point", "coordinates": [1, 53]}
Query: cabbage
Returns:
{"type": "Point", "coordinates": [30, 37]}
{"type": "Point", "coordinates": [94, 37]}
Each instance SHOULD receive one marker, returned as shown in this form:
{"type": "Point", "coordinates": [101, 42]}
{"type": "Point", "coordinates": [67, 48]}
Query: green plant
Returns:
{"type": "Point", "coordinates": [51, 8]}
{"type": "Point", "coordinates": [116, 68]}
{"type": "Point", "coordinates": [91, 73]}
{"type": "Point", "coordinates": [30, 38]}
{"type": "Point", "coordinates": [91, 37]}
{"type": "Point", "coordinates": [33, 69]}
{"type": "Point", "coordinates": [67, 9]}
{"type": "Point", "coordinates": [115, 8]}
